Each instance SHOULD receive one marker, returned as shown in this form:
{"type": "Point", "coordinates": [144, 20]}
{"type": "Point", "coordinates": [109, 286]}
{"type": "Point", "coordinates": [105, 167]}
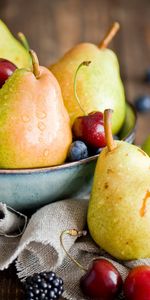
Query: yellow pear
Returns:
{"type": "Point", "coordinates": [119, 207]}
{"type": "Point", "coordinates": [99, 87]}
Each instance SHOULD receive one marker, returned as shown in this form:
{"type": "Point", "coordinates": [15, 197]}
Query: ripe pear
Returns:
{"type": "Point", "coordinates": [99, 87]}
{"type": "Point", "coordinates": [35, 127]}
{"type": "Point", "coordinates": [146, 145]}
{"type": "Point", "coordinates": [119, 207]}
{"type": "Point", "coordinates": [11, 49]}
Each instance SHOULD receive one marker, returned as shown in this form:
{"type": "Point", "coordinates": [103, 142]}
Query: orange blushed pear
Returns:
{"type": "Point", "coordinates": [34, 124]}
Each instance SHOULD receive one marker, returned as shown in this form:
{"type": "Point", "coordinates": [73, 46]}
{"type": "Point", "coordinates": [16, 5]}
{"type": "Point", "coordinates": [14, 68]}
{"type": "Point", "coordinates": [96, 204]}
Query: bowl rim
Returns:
{"type": "Point", "coordinates": [67, 164]}
{"type": "Point", "coordinates": [47, 169]}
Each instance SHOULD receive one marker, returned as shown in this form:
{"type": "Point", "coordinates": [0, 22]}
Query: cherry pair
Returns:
{"type": "Point", "coordinates": [102, 281]}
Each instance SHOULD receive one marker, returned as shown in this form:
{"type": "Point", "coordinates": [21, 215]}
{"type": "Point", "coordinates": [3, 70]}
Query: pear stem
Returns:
{"type": "Point", "coordinates": [109, 36]}
{"type": "Point", "coordinates": [108, 132]}
{"type": "Point", "coordinates": [84, 63]}
{"type": "Point", "coordinates": [23, 40]}
{"type": "Point", "coordinates": [35, 63]}
{"type": "Point", "coordinates": [73, 232]}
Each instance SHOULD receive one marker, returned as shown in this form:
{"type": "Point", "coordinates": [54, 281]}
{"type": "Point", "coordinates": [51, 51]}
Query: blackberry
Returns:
{"type": "Point", "coordinates": [45, 285]}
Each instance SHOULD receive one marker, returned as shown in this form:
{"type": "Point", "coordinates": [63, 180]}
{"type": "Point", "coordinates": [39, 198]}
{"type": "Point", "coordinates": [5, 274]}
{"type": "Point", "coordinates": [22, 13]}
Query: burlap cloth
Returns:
{"type": "Point", "coordinates": [39, 249]}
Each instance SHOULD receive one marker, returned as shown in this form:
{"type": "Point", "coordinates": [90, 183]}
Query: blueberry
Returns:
{"type": "Point", "coordinates": [78, 150]}
{"type": "Point", "coordinates": [147, 75]}
{"type": "Point", "coordinates": [142, 103]}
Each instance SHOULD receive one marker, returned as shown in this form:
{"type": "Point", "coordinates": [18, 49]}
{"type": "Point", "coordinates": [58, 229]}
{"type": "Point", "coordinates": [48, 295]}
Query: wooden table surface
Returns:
{"type": "Point", "coordinates": [52, 27]}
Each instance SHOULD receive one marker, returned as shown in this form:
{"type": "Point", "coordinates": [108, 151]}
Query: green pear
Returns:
{"type": "Point", "coordinates": [119, 207]}
{"type": "Point", "coordinates": [99, 87]}
{"type": "Point", "coordinates": [35, 127]}
{"type": "Point", "coordinates": [146, 145]}
{"type": "Point", "coordinates": [12, 49]}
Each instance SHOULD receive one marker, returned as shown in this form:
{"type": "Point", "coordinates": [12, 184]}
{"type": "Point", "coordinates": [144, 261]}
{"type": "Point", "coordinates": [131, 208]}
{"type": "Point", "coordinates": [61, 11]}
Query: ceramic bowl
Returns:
{"type": "Point", "coordinates": [29, 189]}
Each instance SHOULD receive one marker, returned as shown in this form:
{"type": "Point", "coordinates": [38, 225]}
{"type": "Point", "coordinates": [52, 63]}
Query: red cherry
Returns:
{"type": "Point", "coordinates": [90, 129]}
{"type": "Point", "coordinates": [137, 284]}
{"type": "Point", "coordinates": [102, 281]}
{"type": "Point", "coordinates": [6, 70]}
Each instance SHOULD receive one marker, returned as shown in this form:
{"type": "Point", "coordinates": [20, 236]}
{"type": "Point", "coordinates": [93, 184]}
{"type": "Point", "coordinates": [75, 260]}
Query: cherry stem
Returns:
{"type": "Point", "coordinates": [77, 233]}
{"type": "Point", "coordinates": [109, 36]}
{"type": "Point", "coordinates": [35, 63]}
{"type": "Point", "coordinates": [84, 63]}
{"type": "Point", "coordinates": [23, 40]}
{"type": "Point", "coordinates": [108, 131]}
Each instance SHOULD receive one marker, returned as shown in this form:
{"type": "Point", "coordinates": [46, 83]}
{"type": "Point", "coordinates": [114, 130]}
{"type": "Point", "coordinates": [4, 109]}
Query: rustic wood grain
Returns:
{"type": "Point", "coordinates": [52, 27]}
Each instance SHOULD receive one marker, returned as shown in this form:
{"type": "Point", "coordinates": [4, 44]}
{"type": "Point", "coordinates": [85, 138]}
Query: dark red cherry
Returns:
{"type": "Point", "coordinates": [6, 70]}
{"type": "Point", "coordinates": [102, 281]}
{"type": "Point", "coordinates": [137, 284]}
{"type": "Point", "coordinates": [90, 129]}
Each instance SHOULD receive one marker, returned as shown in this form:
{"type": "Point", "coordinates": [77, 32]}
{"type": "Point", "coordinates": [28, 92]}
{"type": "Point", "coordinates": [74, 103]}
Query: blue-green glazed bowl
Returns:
{"type": "Point", "coordinates": [29, 189]}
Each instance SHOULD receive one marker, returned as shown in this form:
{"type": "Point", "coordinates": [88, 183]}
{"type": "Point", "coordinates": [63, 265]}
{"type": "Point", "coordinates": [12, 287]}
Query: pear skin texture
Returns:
{"type": "Point", "coordinates": [118, 216]}
{"type": "Point", "coordinates": [35, 127]}
{"type": "Point", "coordinates": [98, 86]}
{"type": "Point", "coordinates": [12, 49]}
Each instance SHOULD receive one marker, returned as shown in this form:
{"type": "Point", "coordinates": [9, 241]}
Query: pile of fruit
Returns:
{"type": "Point", "coordinates": [118, 220]}
{"type": "Point", "coordinates": [42, 110]}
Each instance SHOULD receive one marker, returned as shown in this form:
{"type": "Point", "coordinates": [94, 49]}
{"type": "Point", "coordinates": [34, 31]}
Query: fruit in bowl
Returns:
{"type": "Point", "coordinates": [29, 149]}
{"type": "Point", "coordinates": [29, 189]}
{"type": "Point", "coordinates": [99, 87]}
{"type": "Point", "coordinates": [34, 124]}
{"type": "Point", "coordinates": [89, 127]}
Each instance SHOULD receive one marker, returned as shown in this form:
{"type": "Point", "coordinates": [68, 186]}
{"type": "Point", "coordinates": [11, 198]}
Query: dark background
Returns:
{"type": "Point", "coordinates": [53, 26]}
